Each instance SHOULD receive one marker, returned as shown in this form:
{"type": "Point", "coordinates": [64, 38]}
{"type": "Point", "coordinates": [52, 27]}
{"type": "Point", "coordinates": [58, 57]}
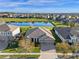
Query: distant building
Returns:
{"type": "Point", "coordinates": [4, 15]}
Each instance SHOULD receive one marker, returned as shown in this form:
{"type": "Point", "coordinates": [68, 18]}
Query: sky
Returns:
{"type": "Point", "coordinates": [40, 6]}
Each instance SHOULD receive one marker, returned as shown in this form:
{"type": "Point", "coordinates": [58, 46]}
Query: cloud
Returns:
{"type": "Point", "coordinates": [29, 2]}
{"type": "Point", "coordinates": [38, 3]}
{"type": "Point", "coordinates": [11, 4]}
{"type": "Point", "coordinates": [41, 2]}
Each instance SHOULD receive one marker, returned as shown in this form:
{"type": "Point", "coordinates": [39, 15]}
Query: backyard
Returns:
{"type": "Point", "coordinates": [59, 24]}
{"type": "Point", "coordinates": [24, 29]}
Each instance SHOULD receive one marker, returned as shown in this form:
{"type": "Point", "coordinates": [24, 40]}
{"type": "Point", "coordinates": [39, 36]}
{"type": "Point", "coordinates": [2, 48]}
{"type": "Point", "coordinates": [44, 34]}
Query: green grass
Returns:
{"type": "Point", "coordinates": [14, 50]}
{"type": "Point", "coordinates": [25, 28]}
{"type": "Point", "coordinates": [36, 50]}
{"type": "Point", "coordinates": [2, 56]}
{"type": "Point", "coordinates": [9, 51]}
{"type": "Point", "coordinates": [59, 24]}
{"type": "Point", "coordinates": [25, 56]}
{"type": "Point", "coordinates": [24, 20]}
{"type": "Point", "coordinates": [20, 56]}
{"type": "Point", "coordinates": [19, 50]}
{"type": "Point", "coordinates": [48, 27]}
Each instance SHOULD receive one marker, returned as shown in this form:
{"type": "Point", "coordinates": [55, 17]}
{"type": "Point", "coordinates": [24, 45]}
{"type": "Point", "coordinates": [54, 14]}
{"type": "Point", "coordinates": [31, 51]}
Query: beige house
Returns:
{"type": "Point", "coordinates": [40, 35]}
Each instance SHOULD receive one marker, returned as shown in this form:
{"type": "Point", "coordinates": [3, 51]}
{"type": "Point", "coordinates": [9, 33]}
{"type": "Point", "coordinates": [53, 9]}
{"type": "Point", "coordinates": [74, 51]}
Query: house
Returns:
{"type": "Point", "coordinates": [67, 34]}
{"type": "Point", "coordinates": [40, 35]}
{"type": "Point", "coordinates": [3, 15]}
{"type": "Point", "coordinates": [7, 34]}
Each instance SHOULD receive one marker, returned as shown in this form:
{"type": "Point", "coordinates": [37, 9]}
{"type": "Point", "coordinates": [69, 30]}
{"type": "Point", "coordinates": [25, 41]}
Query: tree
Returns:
{"type": "Point", "coordinates": [72, 24]}
{"type": "Point", "coordinates": [63, 47]}
{"type": "Point", "coordinates": [75, 48]}
{"type": "Point", "coordinates": [26, 44]}
{"type": "Point", "coordinates": [22, 42]}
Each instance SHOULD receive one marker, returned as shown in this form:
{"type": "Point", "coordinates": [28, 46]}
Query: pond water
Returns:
{"type": "Point", "coordinates": [30, 24]}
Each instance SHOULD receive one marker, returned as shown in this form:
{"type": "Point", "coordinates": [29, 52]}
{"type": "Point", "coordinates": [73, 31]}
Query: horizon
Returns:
{"type": "Point", "coordinates": [39, 6]}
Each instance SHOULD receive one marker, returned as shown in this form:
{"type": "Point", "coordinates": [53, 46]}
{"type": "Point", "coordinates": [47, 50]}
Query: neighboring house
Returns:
{"type": "Point", "coordinates": [68, 34]}
{"type": "Point", "coordinates": [7, 34]}
{"type": "Point", "coordinates": [77, 21]}
{"type": "Point", "coordinates": [75, 34]}
{"type": "Point", "coordinates": [39, 35]}
{"type": "Point", "coordinates": [64, 20]}
{"type": "Point", "coordinates": [3, 15]}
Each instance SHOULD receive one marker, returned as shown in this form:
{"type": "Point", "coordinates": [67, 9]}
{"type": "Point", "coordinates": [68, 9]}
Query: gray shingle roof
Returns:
{"type": "Point", "coordinates": [6, 27]}
{"type": "Point", "coordinates": [64, 32]}
{"type": "Point", "coordinates": [37, 32]}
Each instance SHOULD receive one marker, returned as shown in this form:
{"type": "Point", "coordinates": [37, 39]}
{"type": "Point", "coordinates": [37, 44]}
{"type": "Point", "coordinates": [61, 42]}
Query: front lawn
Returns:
{"type": "Point", "coordinates": [20, 47]}
{"type": "Point", "coordinates": [36, 49]}
{"type": "Point", "coordinates": [24, 56]}
{"type": "Point", "coordinates": [14, 50]}
{"type": "Point", "coordinates": [19, 56]}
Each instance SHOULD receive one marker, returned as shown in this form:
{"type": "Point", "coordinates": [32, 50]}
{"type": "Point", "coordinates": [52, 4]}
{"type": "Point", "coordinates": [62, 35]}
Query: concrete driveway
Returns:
{"type": "Point", "coordinates": [47, 50]}
{"type": "Point", "coordinates": [47, 46]}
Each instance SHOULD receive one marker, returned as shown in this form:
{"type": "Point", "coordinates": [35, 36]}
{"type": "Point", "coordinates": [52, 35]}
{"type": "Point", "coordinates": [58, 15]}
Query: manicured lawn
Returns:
{"type": "Point", "coordinates": [2, 56]}
{"type": "Point", "coordinates": [56, 23]}
{"type": "Point", "coordinates": [36, 50]}
{"type": "Point", "coordinates": [25, 56]}
{"type": "Point", "coordinates": [20, 50]}
{"type": "Point", "coordinates": [24, 20]}
{"type": "Point", "coordinates": [59, 24]}
{"type": "Point", "coordinates": [25, 28]}
{"type": "Point", "coordinates": [9, 51]}
{"type": "Point", "coordinates": [48, 27]}
{"type": "Point", "coordinates": [20, 56]}
{"type": "Point", "coordinates": [14, 50]}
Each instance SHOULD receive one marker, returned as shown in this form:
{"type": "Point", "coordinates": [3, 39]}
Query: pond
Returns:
{"type": "Point", "coordinates": [30, 23]}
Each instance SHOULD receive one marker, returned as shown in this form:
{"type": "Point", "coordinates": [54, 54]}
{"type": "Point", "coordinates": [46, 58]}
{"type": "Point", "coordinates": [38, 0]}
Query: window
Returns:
{"type": "Point", "coordinates": [32, 39]}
